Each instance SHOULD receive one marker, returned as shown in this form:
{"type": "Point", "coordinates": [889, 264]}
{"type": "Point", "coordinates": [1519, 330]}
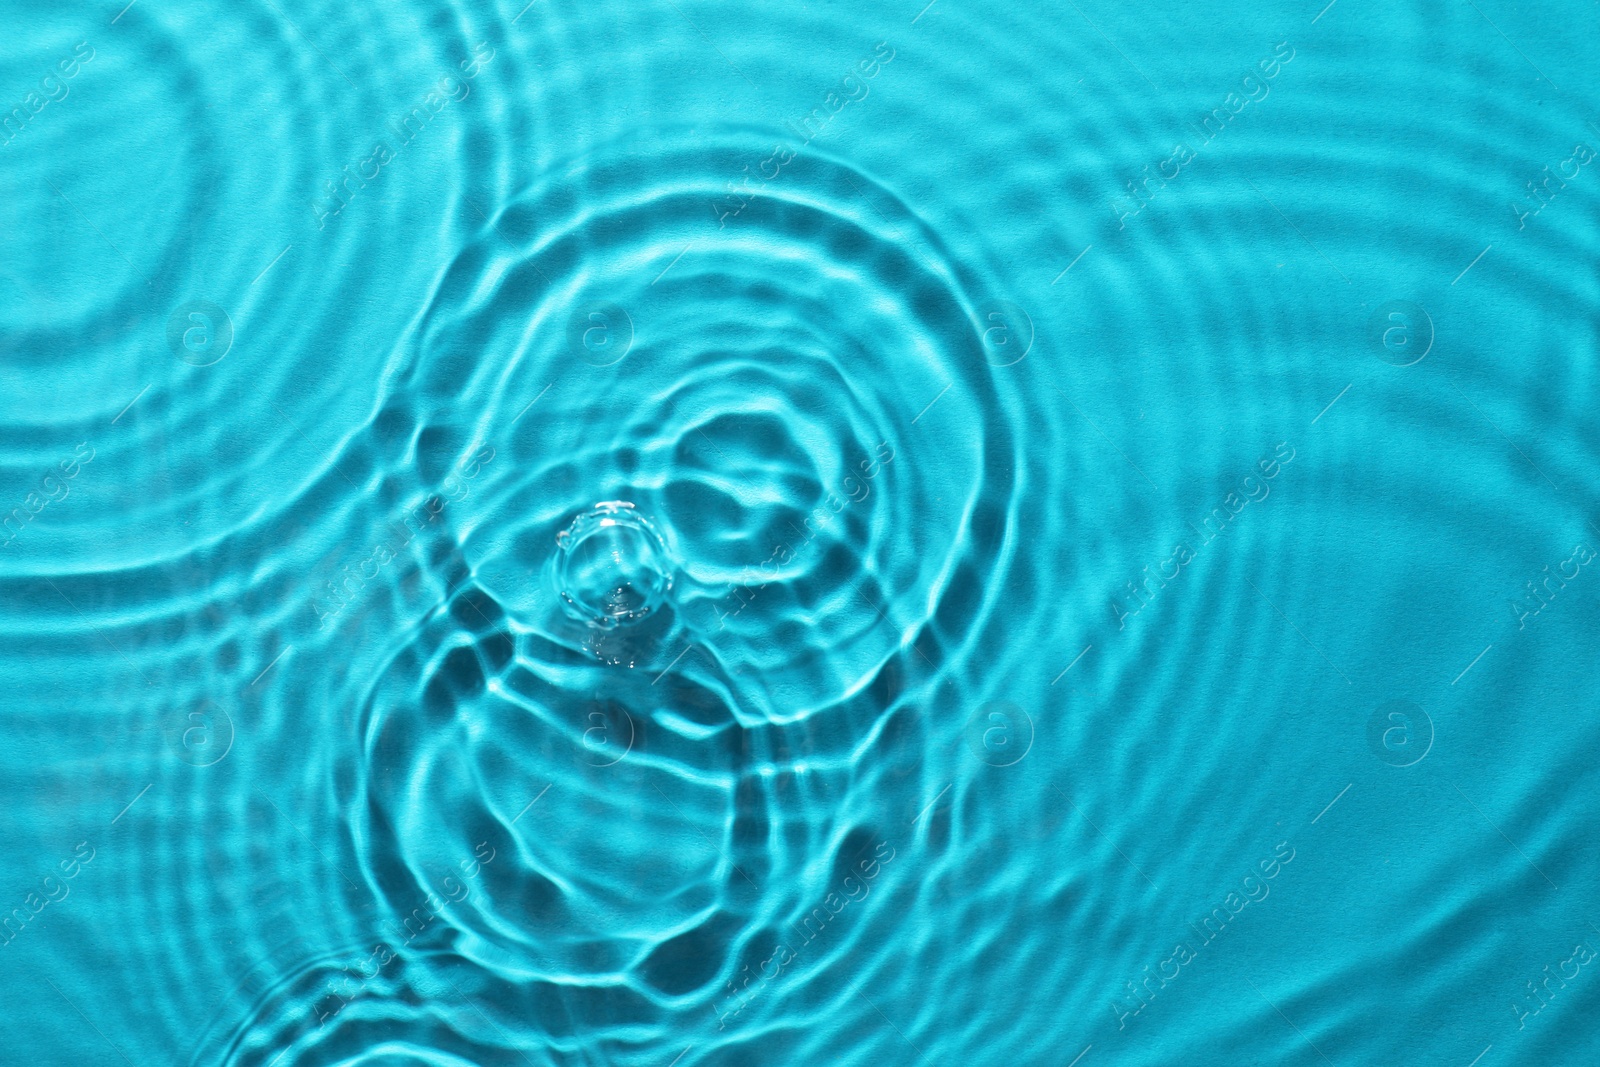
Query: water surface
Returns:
{"type": "Point", "coordinates": [717, 534]}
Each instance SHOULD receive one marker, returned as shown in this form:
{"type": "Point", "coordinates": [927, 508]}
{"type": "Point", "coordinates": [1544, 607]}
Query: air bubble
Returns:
{"type": "Point", "coordinates": [612, 567]}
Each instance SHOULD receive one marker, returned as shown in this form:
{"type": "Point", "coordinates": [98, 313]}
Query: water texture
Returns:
{"type": "Point", "coordinates": [701, 533]}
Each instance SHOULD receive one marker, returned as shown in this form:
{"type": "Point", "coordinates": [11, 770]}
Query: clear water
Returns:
{"type": "Point", "coordinates": [715, 534]}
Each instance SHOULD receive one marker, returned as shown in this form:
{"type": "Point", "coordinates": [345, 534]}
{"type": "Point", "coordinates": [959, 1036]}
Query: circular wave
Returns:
{"type": "Point", "coordinates": [750, 380]}
{"type": "Point", "coordinates": [368, 1006]}
{"type": "Point", "coordinates": [791, 416]}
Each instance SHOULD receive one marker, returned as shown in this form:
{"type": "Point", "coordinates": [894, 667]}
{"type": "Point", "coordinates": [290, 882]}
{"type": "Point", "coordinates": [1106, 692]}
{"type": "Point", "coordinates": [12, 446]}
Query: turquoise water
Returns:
{"type": "Point", "coordinates": [695, 533]}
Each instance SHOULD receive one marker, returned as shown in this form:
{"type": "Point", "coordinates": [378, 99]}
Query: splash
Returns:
{"type": "Point", "coordinates": [612, 568]}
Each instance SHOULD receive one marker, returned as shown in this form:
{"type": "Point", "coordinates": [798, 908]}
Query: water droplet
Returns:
{"type": "Point", "coordinates": [612, 567]}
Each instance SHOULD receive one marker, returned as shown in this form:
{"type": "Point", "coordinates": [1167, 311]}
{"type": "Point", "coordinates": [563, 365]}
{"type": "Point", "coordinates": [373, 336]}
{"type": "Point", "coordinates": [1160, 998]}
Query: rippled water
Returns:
{"type": "Point", "coordinates": [718, 534]}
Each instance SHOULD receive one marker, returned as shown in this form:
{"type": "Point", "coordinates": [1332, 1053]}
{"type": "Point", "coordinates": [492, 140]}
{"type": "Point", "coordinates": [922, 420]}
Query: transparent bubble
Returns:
{"type": "Point", "coordinates": [612, 567]}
